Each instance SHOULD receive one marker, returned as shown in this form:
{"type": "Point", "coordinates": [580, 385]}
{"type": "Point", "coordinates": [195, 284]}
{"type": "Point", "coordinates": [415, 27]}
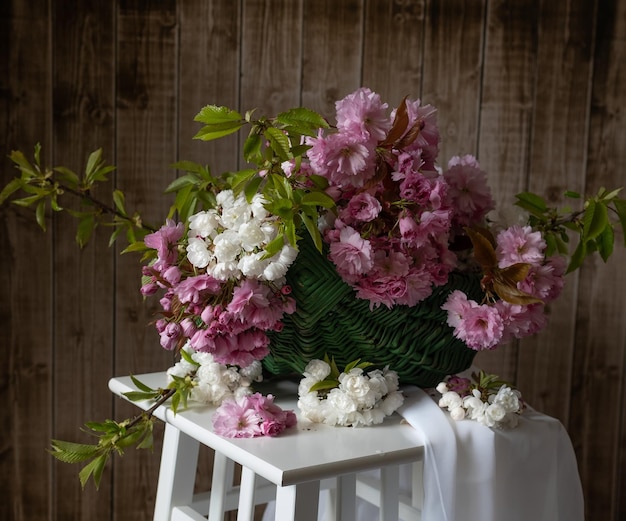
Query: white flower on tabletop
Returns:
{"type": "Point", "coordinates": [198, 253]}
{"type": "Point", "coordinates": [392, 379]}
{"type": "Point", "coordinates": [442, 387]}
{"type": "Point", "coordinates": [341, 401]}
{"type": "Point", "coordinates": [494, 413]}
{"type": "Point", "coordinates": [508, 398]}
{"type": "Point", "coordinates": [355, 384]}
{"type": "Point", "coordinates": [317, 370]}
{"type": "Point", "coordinates": [391, 402]}
{"type": "Point", "coordinates": [450, 400]}
{"type": "Point", "coordinates": [253, 372]}
{"type": "Point", "coordinates": [181, 369]}
{"type": "Point", "coordinates": [458, 413]}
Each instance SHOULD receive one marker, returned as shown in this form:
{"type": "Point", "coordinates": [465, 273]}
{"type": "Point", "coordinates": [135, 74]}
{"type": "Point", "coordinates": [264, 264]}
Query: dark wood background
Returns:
{"type": "Point", "coordinates": [535, 88]}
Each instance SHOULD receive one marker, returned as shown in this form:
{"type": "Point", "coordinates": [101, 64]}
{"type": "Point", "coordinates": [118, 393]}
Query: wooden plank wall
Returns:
{"type": "Point", "coordinates": [535, 88]}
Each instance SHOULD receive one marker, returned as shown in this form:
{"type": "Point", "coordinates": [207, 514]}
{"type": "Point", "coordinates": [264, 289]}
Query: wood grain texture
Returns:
{"type": "Point", "coordinates": [598, 364]}
{"type": "Point", "coordinates": [147, 71]}
{"type": "Point", "coordinates": [26, 306]}
{"type": "Point", "coordinates": [83, 49]}
{"type": "Point", "coordinates": [453, 54]}
{"type": "Point", "coordinates": [331, 54]}
{"type": "Point", "coordinates": [271, 55]}
{"type": "Point", "coordinates": [393, 48]}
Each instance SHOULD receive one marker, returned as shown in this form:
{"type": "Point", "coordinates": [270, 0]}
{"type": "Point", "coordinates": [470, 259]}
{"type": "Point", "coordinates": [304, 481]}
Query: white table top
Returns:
{"type": "Point", "coordinates": [307, 452]}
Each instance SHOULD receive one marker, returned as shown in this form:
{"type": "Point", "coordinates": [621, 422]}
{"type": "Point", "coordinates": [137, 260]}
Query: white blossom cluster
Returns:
{"type": "Point", "coordinates": [501, 410]}
{"type": "Point", "coordinates": [361, 399]}
{"type": "Point", "coordinates": [229, 240]}
{"type": "Point", "coordinates": [215, 382]}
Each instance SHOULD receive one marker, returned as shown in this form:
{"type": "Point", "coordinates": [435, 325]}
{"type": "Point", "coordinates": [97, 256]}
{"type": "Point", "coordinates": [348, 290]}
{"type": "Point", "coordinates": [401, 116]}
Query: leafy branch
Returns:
{"type": "Point", "coordinates": [116, 437]}
{"type": "Point", "coordinates": [594, 224]}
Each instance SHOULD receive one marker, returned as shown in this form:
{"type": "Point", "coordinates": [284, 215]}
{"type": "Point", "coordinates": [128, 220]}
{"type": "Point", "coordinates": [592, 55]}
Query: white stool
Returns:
{"type": "Point", "coordinates": [292, 468]}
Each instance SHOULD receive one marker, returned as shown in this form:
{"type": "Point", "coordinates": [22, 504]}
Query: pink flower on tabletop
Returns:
{"type": "Point", "coordinates": [362, 112]}
{"type": "Point", "coordinates": [352, 254]}
{"type": "Point", "coordinates": [459, 385]}
{"type": "Point", "coordinates": [170, 336]}
{"type": "Point", "coordinates": [468, 190]}
{"type": "Point", "coordinates": [363, 207]}
{"type": "Point", "coordinates": [235, 419]}
{"type": "Point", "coordinates": [519, 244]}
{"type": "Point", "coordinates": [165, 241]}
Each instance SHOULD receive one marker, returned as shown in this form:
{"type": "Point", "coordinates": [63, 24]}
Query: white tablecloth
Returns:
{"type": "Point", "coordinates": [472, 472]}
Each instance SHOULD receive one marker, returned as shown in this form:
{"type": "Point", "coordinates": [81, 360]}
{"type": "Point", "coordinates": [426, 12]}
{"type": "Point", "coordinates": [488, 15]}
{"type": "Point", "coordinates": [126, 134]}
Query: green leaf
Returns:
{"type": "Point", "coordinates": [313, 230]}
{"type": "Point", "coordinates": [186, 356]}
{"type": "Point", "coordinates": [136, 396]}
{"type": "Point", "coordinates": [620, 208]}
{"type": "Point", "coordinates": [11, 187]}
{"type": "Point", "coordinates": [275, 245]}
{"type": "Point", "coordinates": [324, 385]}
{"type": "Point", "coordinates": [252, 147]}
{"type": "Point", "coordinates": [136, 246]}
{"type": "Point", "coordinates": [140, 385]}
{"type": "Point", "coordinates": [67, 176]}
{"type": "Point", "coordinates": [188, 166]}
{"type": "Point", "coordinates": [214, 115]}
{"type": "Point", "coordinates": [304, 118]}
{"type": "Point", "coordinates": [85, 228]}
{"type": "Point", "coordinates": [240, 177]}
{"type": "Point", "coordinates": [318, 199]}
{"type": "Point", "coordinates": [118, 200]}
{"type": "Point", "coordinates": [28, 171]}
{"type": "Point", "coordinates": [595, 220]}
{"type": "Point", "coordinates": [279, 142]}
{"type": "Point", "coordinates": [96, 468]}
{"type": "Point", "coordinates": [93, 162]}
{"type": "Point", "coordinates": [572, 195]}
{"type": "Point", "coordinates": [252, 187]}
{"type": "Point", "coordinates": [217, 130]}
{"type": "Point", "coordinates": [605, 242]}
{"type": "Point", "coordinates": [182, 182]}
{"type": "Point", "coordinates": [577, 257]}
{"type": "Point", "coordinates": [40, 214]}
{"type": "Point", "coordinates": [532, 203]}
{"type": "Point", "coordinates": [69, 452]}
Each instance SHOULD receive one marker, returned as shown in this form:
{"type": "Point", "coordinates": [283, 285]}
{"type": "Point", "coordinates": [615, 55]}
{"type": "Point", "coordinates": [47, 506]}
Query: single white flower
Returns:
{"type": "Point", "coordinates": [204, 224]}
{"type": "Point", "coordinates": [341, 401]}
{"type": "Point", "coordinates": [442, 388]}
{"type": "Point", "coordinates": [198, 253]}
{"type": "Point", "coordinates": [253, 265]}
{"type": "Point", "coordinates": [457, 413]}
{"type": "Point", "coordinates": [508, 399]}
{"type": "Point", "coordinates": [226, 246]}
{"type": "Point", "coordinates": [316, 369]}
{"type": "Point", "coordinates": [391, 402]}
{"type": "Point", "coordinates": [279, 263]}
{"type": "Point", "coordinates": [251, 235]}
{"type": "Point", "coordinates": [225, 271]}
{"type": "Point", "coordinates": [451, 400]}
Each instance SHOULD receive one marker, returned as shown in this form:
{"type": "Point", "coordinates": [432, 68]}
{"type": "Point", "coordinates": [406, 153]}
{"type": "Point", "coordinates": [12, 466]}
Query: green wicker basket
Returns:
{"type": "Point", "coordinates": [414, 341]}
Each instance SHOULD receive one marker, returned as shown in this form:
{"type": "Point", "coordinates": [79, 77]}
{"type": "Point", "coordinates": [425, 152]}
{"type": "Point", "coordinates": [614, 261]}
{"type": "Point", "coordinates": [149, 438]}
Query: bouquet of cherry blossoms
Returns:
{"type": "Point", "coordinates": [346, 238]}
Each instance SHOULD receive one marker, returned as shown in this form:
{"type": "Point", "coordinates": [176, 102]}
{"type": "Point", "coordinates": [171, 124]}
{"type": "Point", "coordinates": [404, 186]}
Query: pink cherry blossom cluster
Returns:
{"type": "Point", "coordinates": [487, 325]}
{"type": "Point", "coordinates": [396, 213]}
{"type": "Point", "coordinates": [227, 318]}
{"type": "Point", "coordinates": [250, 416]}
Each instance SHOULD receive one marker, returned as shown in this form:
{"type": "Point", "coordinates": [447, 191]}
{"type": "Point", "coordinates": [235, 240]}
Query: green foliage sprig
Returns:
{"type": "Point", "coordinates": [116, 437]}
{"type": "Point", "coordinates": [592, 224]}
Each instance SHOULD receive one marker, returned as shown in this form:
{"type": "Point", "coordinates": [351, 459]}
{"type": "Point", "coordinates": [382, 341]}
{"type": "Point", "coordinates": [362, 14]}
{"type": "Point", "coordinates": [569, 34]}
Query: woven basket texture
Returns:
{"type": "Point", "coordinates": [414, 341]}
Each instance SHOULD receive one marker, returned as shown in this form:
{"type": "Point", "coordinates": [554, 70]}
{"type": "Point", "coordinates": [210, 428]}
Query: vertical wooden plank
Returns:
{"type": "Point", "coordinates": [557, 163]}
{"type": "Point", "coordinates": [597, 414]}
{"type": "Point", "coordinates": [452, 72]}
{"type": "Point", "coordinates": [26, 307]}
{"type": "Point", "coordinates": [209, 75]}
{"type": "Point", "coordinates": [393, 49]}
{"type": "Point", "coordinates": [146, 145]}
{"type": "Point", "coordinates": [271, 55]}
{"type": "Point", "coordinates": [331, 54]}
{"type": "Point", "coordinates": [505, 121]}
{"type": "Point", "coordinates": [84, 80]}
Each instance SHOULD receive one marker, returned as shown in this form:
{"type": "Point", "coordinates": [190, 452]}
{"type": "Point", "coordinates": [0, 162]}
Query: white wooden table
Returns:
{"type": "Point", "coordinates": [293, 465]}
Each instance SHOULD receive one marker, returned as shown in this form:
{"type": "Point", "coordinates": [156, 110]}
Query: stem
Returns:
{"type": "Point", "coordinates": [167, 394]}
{"type": "Point", "coordinates": [105, 208]}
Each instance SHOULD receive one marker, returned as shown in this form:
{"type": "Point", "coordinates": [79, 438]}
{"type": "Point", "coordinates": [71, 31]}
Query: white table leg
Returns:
{"type": "Point", "coordinates": [245, 511]}
{"type": "Point", "coordinates": [221, 484]}
{"type": "Point", "coordinates": [346, 498]}
{"type": "Point", "coordinates": [177, 474]}
{"type": "Point", "coordinates": [297, 502]}
{"type": "Point", "coordinates": [389, 492]}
